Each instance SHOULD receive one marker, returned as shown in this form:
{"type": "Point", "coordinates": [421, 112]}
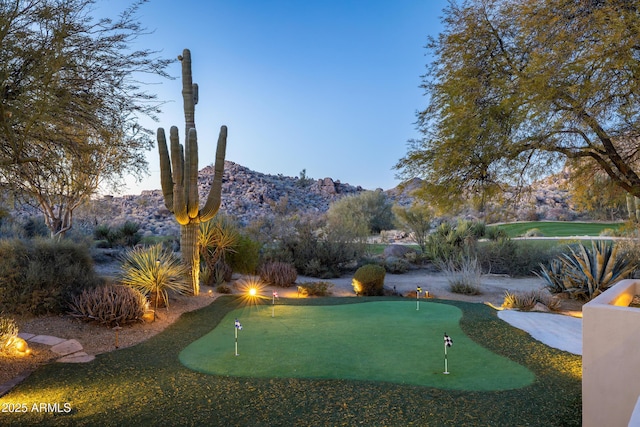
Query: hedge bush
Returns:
{"type": "Point", "coordinates": [42, 275]}
{"type": "Point", "coordinates": [368, 280]}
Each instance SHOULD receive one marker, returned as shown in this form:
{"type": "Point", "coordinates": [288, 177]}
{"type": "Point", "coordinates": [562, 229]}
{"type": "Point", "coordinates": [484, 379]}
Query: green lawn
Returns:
{"type": "Point", "coordinates": [558, 229]}
{"type": "Point", "coordinates": [148, 385]}
{"type": "Point", "coordinates": [401, 344]}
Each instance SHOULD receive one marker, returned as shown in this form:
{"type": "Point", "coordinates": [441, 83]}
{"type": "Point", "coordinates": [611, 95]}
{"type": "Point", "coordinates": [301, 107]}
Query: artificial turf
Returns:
{"type": "Point", "coordinates": [392, 341]}
{"type": "Point", "coordinates": [147, 385]}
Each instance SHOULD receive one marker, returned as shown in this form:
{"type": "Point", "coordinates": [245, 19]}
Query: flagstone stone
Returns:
{"type": "Point", "coordinates": [47, 340]}
{"type": "Point", "coordinates": [79, 357]}
{"type": "Point", "coordinates": [26, 336]}
{"type": "Point", "coordinates": [67, 347]}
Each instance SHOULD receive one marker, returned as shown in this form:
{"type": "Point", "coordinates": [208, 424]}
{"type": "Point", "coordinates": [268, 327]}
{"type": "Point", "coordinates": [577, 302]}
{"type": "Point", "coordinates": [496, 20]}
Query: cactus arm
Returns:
{"type": "Point", "coordinates": [166, 179]}
{"type": "Point", "coordinates": [188, 94]}
{"type": "Point", "coordinates": [191, 174]}
{"type": "Point", "coordinates": [215, 193]}
{"type": "Point", "coordinates": [179, 205]}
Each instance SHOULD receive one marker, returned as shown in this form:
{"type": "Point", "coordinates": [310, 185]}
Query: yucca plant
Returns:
{"type": "Point", "coordinates": [154, 271]}
{"type": "Point", "coordinates": [596, 269]}
{"type": "Point", "coordinates": [218, 238]}
{"type": "Point", "coordinates": [8, 331]}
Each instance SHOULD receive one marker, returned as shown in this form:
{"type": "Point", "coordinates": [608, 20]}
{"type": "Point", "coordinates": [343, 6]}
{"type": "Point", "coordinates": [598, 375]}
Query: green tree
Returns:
{"type": "Point", "coordinates": [417, 220]}
{"type": "Point", "coordinates": [593, 191]}
{"type": "Point", "coordinates": [518, 87]}
{"type": "Point", "coordinates": [365, 213]}
{"type": "Point", "coordinates": [70, 101]}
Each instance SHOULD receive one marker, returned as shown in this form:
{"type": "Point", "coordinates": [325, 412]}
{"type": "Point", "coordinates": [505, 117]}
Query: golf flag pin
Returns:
{"type": "Point", "coordinates": [418, 290]}
{"type": "Point", "coordinates": [238, 327]}
{"type": "Point", "coordinates": [273, 303]}
{"type": "Point", "coordinates": [448, 342]}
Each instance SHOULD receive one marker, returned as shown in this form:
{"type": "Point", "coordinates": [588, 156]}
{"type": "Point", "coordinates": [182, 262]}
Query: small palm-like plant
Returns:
{"type": "Point", "coordinates": [154, 271]}
{"type": "Point", "coordinates": [596, 269]}
{"type": "Point", "coordinates": [218, 238]}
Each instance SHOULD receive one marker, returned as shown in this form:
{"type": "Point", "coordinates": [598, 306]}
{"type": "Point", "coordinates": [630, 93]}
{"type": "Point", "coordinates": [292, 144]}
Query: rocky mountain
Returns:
{"type": "Point", "coordinates": [247, 195]}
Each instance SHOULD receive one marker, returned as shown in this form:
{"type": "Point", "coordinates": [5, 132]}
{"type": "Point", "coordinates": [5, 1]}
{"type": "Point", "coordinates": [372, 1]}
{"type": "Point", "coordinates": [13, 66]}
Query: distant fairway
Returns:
{"type": "Point", "coordinates": [387, 341]}
{"type": "Point", "coordinates": [558, 228]}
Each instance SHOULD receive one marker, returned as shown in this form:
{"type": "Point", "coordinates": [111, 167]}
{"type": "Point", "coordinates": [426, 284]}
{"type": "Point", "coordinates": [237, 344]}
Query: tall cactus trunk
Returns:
{"type": "Point", "coordinates": [179, 177]}
{"type": "Point", "coordinates": [190, 254]}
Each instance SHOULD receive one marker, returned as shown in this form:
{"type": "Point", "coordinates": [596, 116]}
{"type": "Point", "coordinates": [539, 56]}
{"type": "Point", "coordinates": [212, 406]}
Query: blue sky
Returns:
{"type": "Point", "coordinates": [328, 86]}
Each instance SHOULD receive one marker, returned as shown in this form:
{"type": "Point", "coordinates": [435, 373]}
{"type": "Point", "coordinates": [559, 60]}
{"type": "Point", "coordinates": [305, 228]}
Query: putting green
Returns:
{"type": "Point", "coordinates": [388, 341]}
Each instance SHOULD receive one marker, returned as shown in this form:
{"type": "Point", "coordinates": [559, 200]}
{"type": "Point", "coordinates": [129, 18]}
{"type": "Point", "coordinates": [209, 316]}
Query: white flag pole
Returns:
{"type": "Point", "coordinates": [446, 370]}
{"type": "Point", "coordinates": [236, 329]}
{"type": "Point", "coordinates": [273, 305]}
{"type": "Point", "coordinates": [418, 290]}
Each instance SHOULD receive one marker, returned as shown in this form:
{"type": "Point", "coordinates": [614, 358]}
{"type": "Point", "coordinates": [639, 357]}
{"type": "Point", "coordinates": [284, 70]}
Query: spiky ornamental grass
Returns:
{"type": "Point", "coordinates": [154, 270]}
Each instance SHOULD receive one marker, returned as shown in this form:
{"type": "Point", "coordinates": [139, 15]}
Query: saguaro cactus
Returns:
{"type": "Point", "coordinates": [179, 176]}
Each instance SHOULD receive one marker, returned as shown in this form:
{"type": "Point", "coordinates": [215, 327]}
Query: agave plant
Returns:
{"type": "Point", "coordinates": [597, 268]}
{"type": "Point", "coordinates": [154, 271]}
{"type": "Point", "coordinates": [555, 276]}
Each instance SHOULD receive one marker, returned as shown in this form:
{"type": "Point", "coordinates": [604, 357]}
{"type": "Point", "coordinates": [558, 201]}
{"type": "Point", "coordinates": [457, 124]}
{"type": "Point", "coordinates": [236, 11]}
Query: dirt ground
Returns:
{"type": "Point", "coordinates": [97, 339]}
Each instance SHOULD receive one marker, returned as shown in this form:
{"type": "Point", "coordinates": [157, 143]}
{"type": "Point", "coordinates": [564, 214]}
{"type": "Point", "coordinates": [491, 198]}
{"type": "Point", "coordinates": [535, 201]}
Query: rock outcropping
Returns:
{"type": "Point", "coordinates": [247, 195]}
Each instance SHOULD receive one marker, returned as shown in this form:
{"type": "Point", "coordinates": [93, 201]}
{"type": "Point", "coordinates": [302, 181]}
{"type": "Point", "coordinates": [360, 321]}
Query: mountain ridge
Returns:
{"type": "Point", "coordinates": [248, 195]}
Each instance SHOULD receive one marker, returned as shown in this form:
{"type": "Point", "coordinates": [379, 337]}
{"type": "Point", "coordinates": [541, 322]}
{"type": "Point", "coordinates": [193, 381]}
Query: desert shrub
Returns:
{"type": "Point", "coordinates": [315, 289]}
{"type": "Point", "coordinates": [475, 229]}
{"type": "Point", "coordinates": [167, 242]}
{"type": "Point", "coordinates": [495, 233]}
{"type": "Point", "coordinates": [452, 243]}
{"type": "Point", "coordinates": [498, 256]}
{"type": "Point", "coordinates": [417, 220]}
{"type": "Point", "coordinates": [246, 256]}
{"type": "Point", "coordinates": [34, 227]}
{"type": "Point", "coordinates": [154, 272]}
{"type": "Point", "coordinates": [463, 277]}
{"type": "Point", "coordinates": [110, 305]}
{"type": "Point", "coordinates": [222, 272]}
{"type": "Point", "coordinates": [314, 248]}
{"type": "Point", "coordinates": [8, 331]}
{"type": "Point", "coordinates": [314, 268]}
{"type": "Point", "coordinates": [223, 289]}
{"type": "Point", "coordinates": [368, 280]}
{"type": "Point", "coordinates": [395, 265]}
{"type": "Point", "coordinates": [125, 235]}
{"type": "Point", "coordinates": [533, 232]}
{"type": "Point", "coordinates": [608, 232]}
{"type": "Point", "coordinates": [513, 257]}
{"type": "Point", "coordinates": [278, 274]}
{"type": "Point", "coordinates": [527, 300]}
{"type": "Point", "coordinates": [40, 276]}
{"type": "Point", "coordinates": [368, 212]}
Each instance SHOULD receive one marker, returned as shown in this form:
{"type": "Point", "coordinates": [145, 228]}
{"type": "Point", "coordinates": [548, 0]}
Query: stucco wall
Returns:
{"type": "Point", "coordinates": [610, 357]}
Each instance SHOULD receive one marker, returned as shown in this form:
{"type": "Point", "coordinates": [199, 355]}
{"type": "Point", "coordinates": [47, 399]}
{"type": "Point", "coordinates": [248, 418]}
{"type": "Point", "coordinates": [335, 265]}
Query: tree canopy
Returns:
{"type": "Point", "coordinates": [70, 102]}
{"type": "Point", "coordinates": [517, 88]}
